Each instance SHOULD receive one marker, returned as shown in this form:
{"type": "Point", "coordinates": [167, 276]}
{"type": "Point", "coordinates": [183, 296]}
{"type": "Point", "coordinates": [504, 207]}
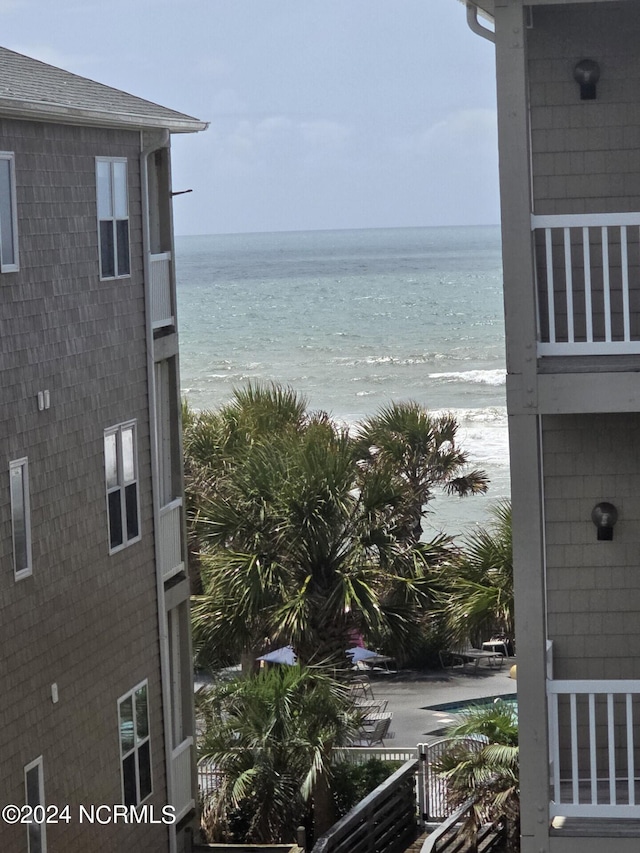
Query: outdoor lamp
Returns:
{"type": "Point", "coordinates": [586, 74]}
{"type": "Point", "coordinates": [604, 516]}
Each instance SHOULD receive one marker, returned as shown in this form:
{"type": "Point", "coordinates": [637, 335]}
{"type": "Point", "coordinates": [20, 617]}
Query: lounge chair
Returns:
{"type": "Point", "coordinates": [470, 655]}
{"type": "Point", "coordinates": [372, 733]}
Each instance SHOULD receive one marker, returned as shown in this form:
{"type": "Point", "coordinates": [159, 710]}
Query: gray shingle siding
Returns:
{"type": "Point", "coordinates": [85, 620]}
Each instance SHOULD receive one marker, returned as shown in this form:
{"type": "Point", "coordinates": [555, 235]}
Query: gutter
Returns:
{"type": "Point", "coordinates": [79, 116]}
{"type": "Point", "coordinates": [475, 25]}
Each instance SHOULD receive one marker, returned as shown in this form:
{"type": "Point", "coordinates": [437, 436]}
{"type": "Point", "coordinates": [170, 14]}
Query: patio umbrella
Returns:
{"type": "Point", "coordinates": [284, 655]}
{"type": "Point", "coordinates": [359, 653]}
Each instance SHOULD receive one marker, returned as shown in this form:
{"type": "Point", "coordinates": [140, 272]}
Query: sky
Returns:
{"type": "Point", "coordinates": [324, 114]}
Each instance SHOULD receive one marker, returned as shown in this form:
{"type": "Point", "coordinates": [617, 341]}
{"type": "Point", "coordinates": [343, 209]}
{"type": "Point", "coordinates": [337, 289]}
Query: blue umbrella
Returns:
{"type": "Point", "coordinates": [359, 653]}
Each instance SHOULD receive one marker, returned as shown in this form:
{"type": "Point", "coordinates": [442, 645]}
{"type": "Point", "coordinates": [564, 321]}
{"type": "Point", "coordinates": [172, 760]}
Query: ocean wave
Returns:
{"type": "Point", "coordinates": [389, 359]}
{"type": "Point", "coordinates": [476, 377]}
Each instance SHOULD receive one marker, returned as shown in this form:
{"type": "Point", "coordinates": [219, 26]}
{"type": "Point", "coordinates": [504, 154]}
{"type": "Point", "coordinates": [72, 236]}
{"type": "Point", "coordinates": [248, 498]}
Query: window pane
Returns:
{"type": "Point", "coordinates": [131, 502]}
{"type": "Point", "coordinates": [120, 190]}
{"type": "Point", "coordinates": [33, 786]}
{"type": "Point", "coordinates": [126, 725]}
{"type": "Point", "coordinates": [6, 218]}
{"type": "Point", "coordinates": [105, 207]}
{"type": "Point", "coordinates": [144, 769]}
{"type": "Point", "coordinates": [128, 455]}
{"type": "Point", "coordinates": [129, 780]}
{"type": "Point", "coordinates": [19, 519]}
{"type": "Point", "coordinates": [111, 459]}
{"type": "Point", "coordinates": [122, 231]}
{"type": "Point", "coordinates": [35, 837]}
{"type": "Point", "coordinates": [115, 518]}
{"type": "Point", "coordinates": [107, 256]}
{"type": "Point", "coordinates": [142, 718]}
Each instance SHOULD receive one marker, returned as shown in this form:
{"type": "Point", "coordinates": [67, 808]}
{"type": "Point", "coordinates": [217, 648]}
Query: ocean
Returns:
{"type": "Point", "coordinates": [353, 320]}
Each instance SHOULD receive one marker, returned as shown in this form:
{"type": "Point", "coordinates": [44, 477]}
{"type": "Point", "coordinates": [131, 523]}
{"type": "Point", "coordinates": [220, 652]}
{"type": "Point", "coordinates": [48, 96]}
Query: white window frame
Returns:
{"type": "Point", "coordinates": [138, 743]}
{"type": "Point", "coordinates": [113, 218]}
{"type": "Point", "coordinates": [122, 484]}
{"type": "Point", "coordinates": [42, 841]}
{"type": "Point", "coordinates": [23, 465]}
{"type": "Point", "coordinates": [13, 224]}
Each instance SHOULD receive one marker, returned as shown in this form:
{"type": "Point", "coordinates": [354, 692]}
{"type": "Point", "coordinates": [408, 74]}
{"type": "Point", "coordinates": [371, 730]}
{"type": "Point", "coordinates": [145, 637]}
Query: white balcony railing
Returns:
{"type": "Point", "coordinates": [170, 540]}
{"type": "Point", "coordinates": [594, 757]}
{"type": "Point", "coordinates": [160, 287]}
{"type": "Point", "coordinates": [181, 766]}
{"type": "Point", "coordinates": [588, 270]}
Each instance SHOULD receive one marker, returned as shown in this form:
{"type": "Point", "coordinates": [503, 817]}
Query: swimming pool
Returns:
{"type": "Point", "coordinates": [510, 699]}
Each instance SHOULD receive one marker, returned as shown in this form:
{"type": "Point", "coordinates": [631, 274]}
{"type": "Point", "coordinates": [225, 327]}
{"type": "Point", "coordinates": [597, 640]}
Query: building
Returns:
{"type": "Point", "coordinates": [568, 84]}
{"type": "Point", "coordinates": [96, 697]}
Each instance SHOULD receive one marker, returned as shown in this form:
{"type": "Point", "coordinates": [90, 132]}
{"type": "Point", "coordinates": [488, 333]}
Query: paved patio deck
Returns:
{"type": "Point", "coordinates": [412, 695]}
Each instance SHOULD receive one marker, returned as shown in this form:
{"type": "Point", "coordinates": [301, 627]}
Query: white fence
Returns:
{"type": "Point", "coordinates": [588, 270]}
{"type": "Point", "coordinates": [181, 766]}
{"type": "Point", "coordinates": [594, 733]}
{"type": "Point", "coordinates": [171, 539]}
{"type": "Point", "coordinates": [431, 790]}
{"type": "Point", "coordinates": [160, 287]}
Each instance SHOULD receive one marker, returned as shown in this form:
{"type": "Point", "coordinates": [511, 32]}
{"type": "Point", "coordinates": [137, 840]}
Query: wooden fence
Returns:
{"type": "Point", "coordinates": [452, 837]}
{"type": "Point", "coordinates": [384, 822]}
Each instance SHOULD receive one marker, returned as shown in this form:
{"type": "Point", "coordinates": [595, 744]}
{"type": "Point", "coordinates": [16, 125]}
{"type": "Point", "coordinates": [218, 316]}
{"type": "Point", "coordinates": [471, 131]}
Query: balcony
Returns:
{"type": "Point", "coordinates": [170, 539]}
{"type": "Point", "coordinates": [181, 767]}
{"type": "Point", "coordinates": [162, 313]}
{"type": "Point", "coordinates": [594, 757]}
{"type": "Point", "coordinates": [588, 284]}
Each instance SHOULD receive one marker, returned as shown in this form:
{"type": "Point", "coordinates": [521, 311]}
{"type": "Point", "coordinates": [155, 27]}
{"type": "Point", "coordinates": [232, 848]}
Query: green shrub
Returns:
{"type": "Point", "coordinates": [351, 782]}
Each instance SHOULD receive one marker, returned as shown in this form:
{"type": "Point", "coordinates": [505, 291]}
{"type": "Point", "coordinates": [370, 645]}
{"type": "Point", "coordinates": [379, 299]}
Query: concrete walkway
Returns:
{"type": "Point", "coordinates": [411, 696]}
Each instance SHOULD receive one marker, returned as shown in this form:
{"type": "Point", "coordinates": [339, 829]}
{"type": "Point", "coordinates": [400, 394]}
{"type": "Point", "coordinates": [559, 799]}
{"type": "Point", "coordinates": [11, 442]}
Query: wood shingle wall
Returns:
{"type": "Point", "coordinates": [85, 620]}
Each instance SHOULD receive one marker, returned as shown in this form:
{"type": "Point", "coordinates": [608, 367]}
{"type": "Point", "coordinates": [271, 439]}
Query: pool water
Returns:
{"type": "Point", "coordinates": [510, 699]}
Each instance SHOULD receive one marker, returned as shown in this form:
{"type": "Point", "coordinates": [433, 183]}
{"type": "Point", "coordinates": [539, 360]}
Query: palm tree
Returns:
{"type": "Point", "coordinates": [271, 737]}
{"type": "Point", "coordinates": [292, 552]}
{"type": "Point", "coordinates": [213, 441]}
{"type": "Point", "coordinates": [487, 775]}
{"type": "Point", "coordinates": [476, 586]}
{"type": "Point", "coordinates": [421, 449]}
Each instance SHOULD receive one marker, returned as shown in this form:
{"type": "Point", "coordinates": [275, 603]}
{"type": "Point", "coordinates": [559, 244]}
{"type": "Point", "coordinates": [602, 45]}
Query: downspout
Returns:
{"type": "Point", "coordinates": [475, 25]}
{"type": "Point", "coordinates": [157, 141]}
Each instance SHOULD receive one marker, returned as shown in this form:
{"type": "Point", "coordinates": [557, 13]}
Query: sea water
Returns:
{"type": "Point", "coordinates": [353, 320]}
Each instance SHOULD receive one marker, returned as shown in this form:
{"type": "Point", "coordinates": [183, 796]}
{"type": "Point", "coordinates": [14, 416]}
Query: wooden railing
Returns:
{"type": "Point", "coordinates": [384, 822]}
{"type": "Point", "coordinates": [593, 754]}
{"type": "Point", "coordinates": [183, 799]}
{"type": "Point", "coordinates": [170, 543]}
{"type": "Point", "coordinates": [452, 837]}
{"type": "Point", "coordinates": [588, 271]}
{"type": "Point", "coordinates": [162, 313]}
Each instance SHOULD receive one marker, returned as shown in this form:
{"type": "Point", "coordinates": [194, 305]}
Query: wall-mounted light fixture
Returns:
{"type": "Point", "coordinates": [604, 516]}
{"type": "Point", "coordinates": [586, 74]}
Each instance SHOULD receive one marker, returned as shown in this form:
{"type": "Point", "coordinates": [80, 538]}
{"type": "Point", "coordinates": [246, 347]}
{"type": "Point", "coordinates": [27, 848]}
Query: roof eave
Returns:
{"type": "Point", "coordinates": [39, 111]}
{"type": "Point", "coordinates": [485, 7]}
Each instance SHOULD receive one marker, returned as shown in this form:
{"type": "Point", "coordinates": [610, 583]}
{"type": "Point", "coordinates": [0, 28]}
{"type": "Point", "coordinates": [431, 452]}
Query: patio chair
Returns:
{"type": "Point", "coordinates": [470, 655]}
{"type": "Point", "coordinates": [374, 733]}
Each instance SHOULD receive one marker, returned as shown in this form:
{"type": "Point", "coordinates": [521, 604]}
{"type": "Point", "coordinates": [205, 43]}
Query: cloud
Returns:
{"type": "Point", "coordinates": [459, 133]}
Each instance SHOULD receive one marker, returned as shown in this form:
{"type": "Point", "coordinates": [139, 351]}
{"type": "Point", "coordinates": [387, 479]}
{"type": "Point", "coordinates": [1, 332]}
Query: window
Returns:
{"type": "Point", "coordinates": [121, 470]}
{"type": "Point", "coordinates": [135, 751]}
{"type": "Point", "coordinates": [8, 214]}
{"type": "Point", "coordinates": [113, 217]}
{"type": "Point", "coordinates": [34, 796]}
{"type": "Point", "coordinates": [20, 517]}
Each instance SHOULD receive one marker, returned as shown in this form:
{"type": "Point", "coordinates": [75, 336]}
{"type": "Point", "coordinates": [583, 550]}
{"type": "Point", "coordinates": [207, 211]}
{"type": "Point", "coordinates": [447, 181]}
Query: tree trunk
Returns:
{"type": "Point", "coordinates": [324, 815]}
{"type": "Point", "coordinates": [249, 663]}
